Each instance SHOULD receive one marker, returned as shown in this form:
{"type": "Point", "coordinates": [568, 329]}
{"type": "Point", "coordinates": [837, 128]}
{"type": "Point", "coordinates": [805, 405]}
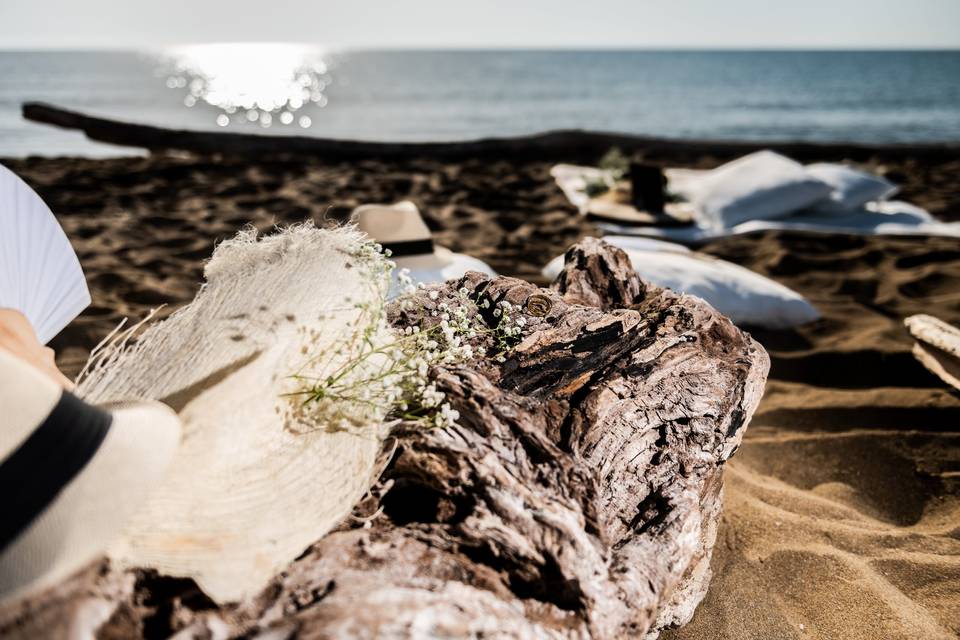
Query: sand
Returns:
{"type": "Point", "coordinates": [842, 517]}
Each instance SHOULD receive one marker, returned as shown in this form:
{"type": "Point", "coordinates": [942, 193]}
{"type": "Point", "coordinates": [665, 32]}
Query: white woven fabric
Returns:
{"type": "Point", "coordinates": [246, 493]}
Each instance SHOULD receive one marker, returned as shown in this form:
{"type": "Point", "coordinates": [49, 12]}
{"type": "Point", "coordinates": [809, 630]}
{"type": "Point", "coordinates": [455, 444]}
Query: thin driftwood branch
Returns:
{"type": "Point", "coordinates": [577, 497]}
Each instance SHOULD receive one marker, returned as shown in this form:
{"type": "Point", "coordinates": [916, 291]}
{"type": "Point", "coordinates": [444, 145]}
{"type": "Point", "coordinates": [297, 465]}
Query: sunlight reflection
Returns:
{"type": "Point", "coordinates": [256, 83]}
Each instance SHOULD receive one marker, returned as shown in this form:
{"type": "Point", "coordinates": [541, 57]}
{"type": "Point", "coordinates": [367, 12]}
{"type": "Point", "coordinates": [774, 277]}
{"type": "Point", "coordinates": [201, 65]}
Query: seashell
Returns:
{"type": "Point", "coordinates": [538, 305]}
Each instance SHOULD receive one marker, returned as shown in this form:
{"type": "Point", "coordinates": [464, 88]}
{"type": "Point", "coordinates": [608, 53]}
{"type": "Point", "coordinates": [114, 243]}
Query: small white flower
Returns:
{"type": "Point", "coordinates": [447, 416]}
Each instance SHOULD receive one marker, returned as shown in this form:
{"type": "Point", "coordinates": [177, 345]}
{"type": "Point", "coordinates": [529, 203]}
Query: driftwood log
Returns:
{"type": "Point", "coordinates": [568, 145]}
{"type": "Point", "coordinates": [578, 496]}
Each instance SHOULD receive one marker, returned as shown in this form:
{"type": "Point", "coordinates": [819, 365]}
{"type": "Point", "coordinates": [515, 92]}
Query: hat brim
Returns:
{"type": "Point", "coordinates": [675, 214]}
{"type": "Point", "coordinates": [441, 266]}
{"type": "Point", "coordinates": [440, 257]}
{"type": "Point", "coordinates": [92, 510]}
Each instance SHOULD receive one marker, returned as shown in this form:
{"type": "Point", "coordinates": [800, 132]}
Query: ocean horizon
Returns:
{"type": "Point", "coordinates": [874, 97]}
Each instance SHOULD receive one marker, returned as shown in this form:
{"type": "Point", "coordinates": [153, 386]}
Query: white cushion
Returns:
{"type": "Point", "coordinates": [740, 294]}
{"type": "Point", "coordinates": [639, 243]}
{"type": "Point", "coordinates": [760, 186]}
{"type": "Point", "coordinates": [683, 182]}
{"type": "Point", "coordinates": [851, 188]}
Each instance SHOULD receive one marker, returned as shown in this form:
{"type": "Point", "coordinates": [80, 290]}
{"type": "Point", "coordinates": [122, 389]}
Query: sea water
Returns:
{"type": "Point", "coordinates": [821, 96]}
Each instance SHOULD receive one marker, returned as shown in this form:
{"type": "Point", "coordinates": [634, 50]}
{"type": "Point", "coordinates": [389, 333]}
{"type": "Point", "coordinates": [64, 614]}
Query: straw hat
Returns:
{"type": "Point", "coordinates": [247, 491]}
{"type": "Point", "coordinates": [400, 228]}
{"type": "Point", "coordinates": [72, 474]}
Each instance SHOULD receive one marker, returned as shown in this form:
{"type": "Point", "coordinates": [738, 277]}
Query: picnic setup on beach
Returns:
{"type": "Point", "coordinates": [571, 386]}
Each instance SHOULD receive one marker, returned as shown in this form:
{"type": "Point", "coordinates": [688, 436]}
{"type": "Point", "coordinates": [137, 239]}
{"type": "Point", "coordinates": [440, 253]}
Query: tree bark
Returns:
{"type": "Point", "coordinates": [577, 497]}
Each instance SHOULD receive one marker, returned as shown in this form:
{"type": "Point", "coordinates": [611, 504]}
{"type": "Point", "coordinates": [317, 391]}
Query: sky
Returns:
{"type": "Point", "coordinates": [846, 24]}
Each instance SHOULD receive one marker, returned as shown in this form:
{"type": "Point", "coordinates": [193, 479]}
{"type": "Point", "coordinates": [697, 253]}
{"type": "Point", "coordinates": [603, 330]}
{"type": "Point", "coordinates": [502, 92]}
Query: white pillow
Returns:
{"type": "Point", "coordinates": [852, 188]}
{"type": "Point", "coordinates": [760, 186]}
{"type": "Point", "coordinates": [683, 182]}
{"type": "Point", "coordinates": [640, 243]}
{"type": "Point", "coordinates": [740, 294]}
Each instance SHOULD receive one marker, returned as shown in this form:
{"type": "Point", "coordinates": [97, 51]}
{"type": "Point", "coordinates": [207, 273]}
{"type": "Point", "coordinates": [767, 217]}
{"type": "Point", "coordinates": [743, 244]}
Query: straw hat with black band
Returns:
{"type": "Point", "coordinates": [400, 229]}
{"type": "Point", "coordinates": [71, 473]}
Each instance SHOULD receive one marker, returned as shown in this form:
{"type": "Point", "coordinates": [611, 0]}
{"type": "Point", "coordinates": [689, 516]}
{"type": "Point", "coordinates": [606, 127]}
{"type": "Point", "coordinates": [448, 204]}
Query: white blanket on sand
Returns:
{"type": "Point", "coordinates": [879, 218]}
{"type": "Point", "coordinates": [882, 218]}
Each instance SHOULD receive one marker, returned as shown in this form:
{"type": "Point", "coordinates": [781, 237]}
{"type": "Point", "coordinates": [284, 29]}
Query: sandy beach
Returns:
{"type": "Point", "coordinates": [842, 512]}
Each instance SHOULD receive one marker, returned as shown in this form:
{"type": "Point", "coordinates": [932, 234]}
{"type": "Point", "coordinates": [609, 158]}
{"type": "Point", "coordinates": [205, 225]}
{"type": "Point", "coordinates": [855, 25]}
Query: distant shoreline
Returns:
{"type": "Point", "coordinates": [455, 49]}
{"type": "Point", "coordinates": [559, 145]}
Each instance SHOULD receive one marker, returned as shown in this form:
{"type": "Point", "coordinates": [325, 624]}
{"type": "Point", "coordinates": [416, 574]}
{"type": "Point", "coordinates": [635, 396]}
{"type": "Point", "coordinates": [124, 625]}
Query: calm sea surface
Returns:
{"type": "Point", "coordinates": [284, 89]}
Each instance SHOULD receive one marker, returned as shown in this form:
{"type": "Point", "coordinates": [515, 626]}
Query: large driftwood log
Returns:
{"type": "Point", "coordinates": [577, 497]}
{"type": "Point", "coordinates": [572, 145]}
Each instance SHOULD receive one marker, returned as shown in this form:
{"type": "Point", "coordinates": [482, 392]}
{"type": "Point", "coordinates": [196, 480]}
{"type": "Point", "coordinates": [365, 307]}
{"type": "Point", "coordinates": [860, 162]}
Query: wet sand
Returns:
{"type": "Point", "coordinates": [842, 517]}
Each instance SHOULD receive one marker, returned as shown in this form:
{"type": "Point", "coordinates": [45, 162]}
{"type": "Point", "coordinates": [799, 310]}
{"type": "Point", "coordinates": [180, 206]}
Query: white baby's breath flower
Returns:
{"type": "Point", "coordinates": [367, 378]}
{"type": "Point", "coordinates": [431, 396]}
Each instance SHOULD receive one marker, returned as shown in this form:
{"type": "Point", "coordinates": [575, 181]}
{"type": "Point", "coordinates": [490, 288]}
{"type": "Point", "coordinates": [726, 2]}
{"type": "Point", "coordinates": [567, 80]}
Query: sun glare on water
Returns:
{"type": "Point", "coordinates": [262, 83]}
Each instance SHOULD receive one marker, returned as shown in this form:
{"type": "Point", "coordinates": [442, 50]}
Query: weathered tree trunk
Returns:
{"type": "Point", "coordinates": [582, 146]}
{"type": "Point", "coordinates": [577, 497]}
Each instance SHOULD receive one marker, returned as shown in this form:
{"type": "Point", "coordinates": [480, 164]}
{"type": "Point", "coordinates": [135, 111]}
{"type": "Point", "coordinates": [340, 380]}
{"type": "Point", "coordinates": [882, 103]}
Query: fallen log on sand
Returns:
{"type": "Point", "coordinates": [569, 145]}
{"type": "Point", "coordinates": [578, 495]}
